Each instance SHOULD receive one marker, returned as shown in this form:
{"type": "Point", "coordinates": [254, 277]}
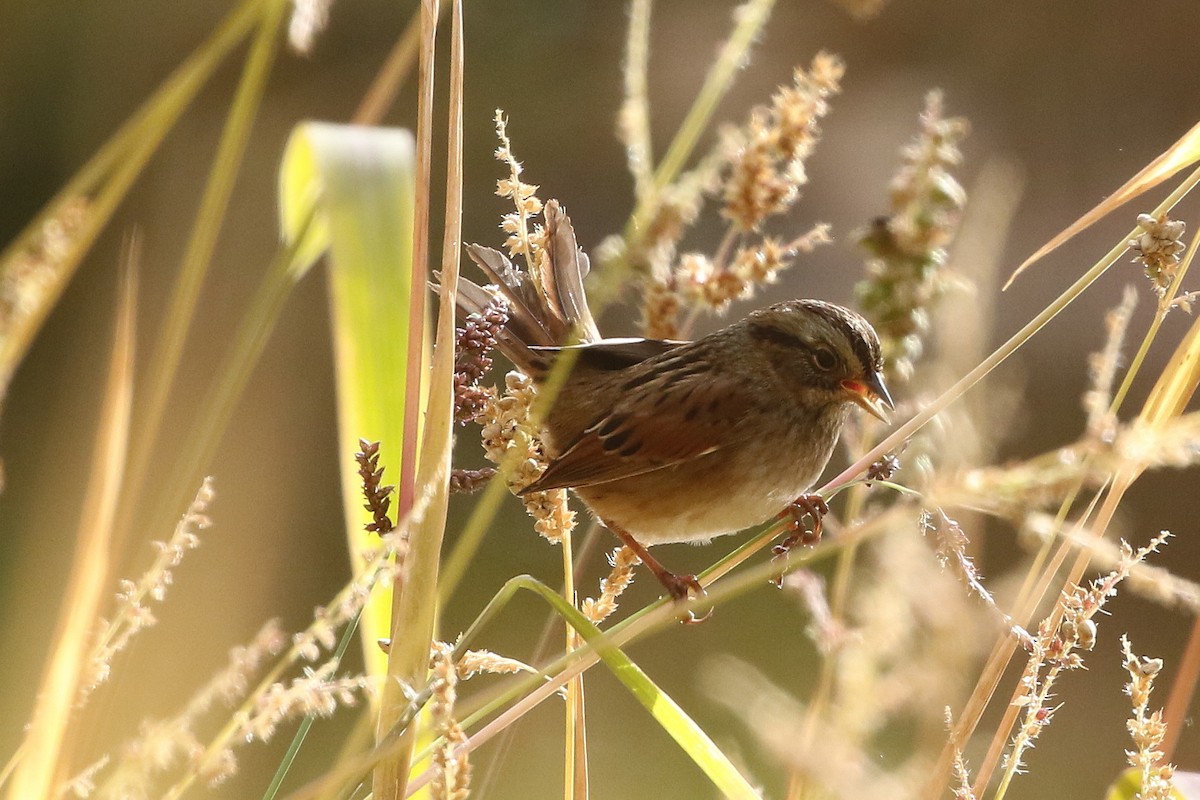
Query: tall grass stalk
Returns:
{"type": "Point", "coordinates": [41, 769]}
{"type": "Point", "coordinates": [414, 607]}
{"type": "Point", "coordinates": [214, 203]}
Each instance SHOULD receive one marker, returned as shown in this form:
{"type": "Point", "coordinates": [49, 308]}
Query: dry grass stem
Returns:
{"type": "Point", "coordinates": [1146, 580]}
{"type": "Point", "coordinates": [1070, 628]}
{"type": "Point", "coordinates": [961, 786]}
{"type": "Point", "coordinates": [633, 120]}
{"type": "Point", "coordinates": [33, 274]}
{"type": "Point", "coordinates": [521, 241]}
{"type": "Point", "coordinates": [951, 549]}
{"type": "Point", "coordinates": [1013, 490]}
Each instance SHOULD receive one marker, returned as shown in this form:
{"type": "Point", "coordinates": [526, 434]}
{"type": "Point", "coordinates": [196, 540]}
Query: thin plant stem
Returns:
{"type": "Point", "coordinates": [1183, 690]}
{"type": "Point", "coordinates": [750, 20]}
{"type": "Point", "coordinates": [414, 597]}
{"type": "Point", "coordinates": [1007, 349]}
{"type": "Point", "coordinates": [110, 173]}
{"type": "Point", "coordinates": [181, 307]}
{"type": "Point", "coordinates": [575, 774]}
{"type": "Point", "coordinates": [635, 114]}
{"type": "Point", "coordinates": [49, 737]}
{"type": "Point", "coordinates": [289, 758]}
{"type": "Point", "coordinates": [652, 618]}
{"type": "Point", "coordinates": [1004, 648]}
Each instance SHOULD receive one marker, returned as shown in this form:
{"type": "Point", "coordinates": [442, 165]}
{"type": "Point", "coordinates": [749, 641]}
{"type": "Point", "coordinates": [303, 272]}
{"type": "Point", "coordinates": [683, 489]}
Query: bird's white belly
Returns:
{"type": "Point", "coordinates": [675, 516]}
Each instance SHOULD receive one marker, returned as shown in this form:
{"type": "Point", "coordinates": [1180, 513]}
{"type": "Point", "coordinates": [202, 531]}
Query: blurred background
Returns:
{"type": "Point", "coordinates": [1070, 98]}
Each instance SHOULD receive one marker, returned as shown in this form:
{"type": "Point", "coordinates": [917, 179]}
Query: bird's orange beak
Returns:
{"type": "Point", "coordinates": [871, 393]}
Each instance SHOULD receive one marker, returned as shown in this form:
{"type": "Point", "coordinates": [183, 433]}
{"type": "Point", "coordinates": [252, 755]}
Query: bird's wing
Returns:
{"type": "Point", "coordinates": [613, 354]}
{"type": "Point", "coordinates": [671, 411]}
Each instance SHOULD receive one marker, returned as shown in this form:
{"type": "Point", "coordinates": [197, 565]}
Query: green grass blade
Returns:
{"type": "Point", "coordinates": [673, 719]}
{"type": "Point", "coordinates": [361, 180]}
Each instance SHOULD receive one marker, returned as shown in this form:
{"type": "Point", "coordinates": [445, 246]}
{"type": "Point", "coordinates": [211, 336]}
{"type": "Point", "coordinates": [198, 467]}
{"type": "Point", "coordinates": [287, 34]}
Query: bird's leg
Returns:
{"type": "Point", "coordinates": [812, 506]}
{"type": "Point", "coordinates": [681, 587]}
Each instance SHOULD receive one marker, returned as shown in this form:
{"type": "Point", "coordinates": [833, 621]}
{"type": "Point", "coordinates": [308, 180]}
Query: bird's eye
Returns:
{"type": "Point", "coordinates": [824, 358]}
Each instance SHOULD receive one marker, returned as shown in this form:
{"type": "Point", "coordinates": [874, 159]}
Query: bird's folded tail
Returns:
{"type": "Point", "coordinates": [548, 309]}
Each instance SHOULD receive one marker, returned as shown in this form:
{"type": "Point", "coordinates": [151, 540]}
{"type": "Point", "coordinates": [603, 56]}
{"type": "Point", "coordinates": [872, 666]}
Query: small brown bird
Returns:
{"type": "Point", "coordinates": [673, 441]}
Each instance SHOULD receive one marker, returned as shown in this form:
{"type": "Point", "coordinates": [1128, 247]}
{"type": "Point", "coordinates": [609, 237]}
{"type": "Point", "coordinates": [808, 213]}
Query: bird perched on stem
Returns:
{"type": "Point", "coordinates": [674, 441]}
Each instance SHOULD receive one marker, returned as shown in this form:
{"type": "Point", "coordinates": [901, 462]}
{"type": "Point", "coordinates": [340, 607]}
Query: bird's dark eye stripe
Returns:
{"type": "Point", "coordinates": [864, 349]}
{"type": "Point", "coordinates": [769, 333]}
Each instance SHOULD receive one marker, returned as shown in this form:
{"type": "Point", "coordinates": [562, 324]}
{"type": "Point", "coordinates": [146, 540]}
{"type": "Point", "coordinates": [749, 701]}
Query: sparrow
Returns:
{"type": "Point", "coordinates": [681, 441]}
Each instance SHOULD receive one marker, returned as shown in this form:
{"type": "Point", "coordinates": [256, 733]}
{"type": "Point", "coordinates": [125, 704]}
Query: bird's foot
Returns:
{"type": "Point", "coordinates": [683, 588]}
{"type": "Point", "coordinates": [812, 506]}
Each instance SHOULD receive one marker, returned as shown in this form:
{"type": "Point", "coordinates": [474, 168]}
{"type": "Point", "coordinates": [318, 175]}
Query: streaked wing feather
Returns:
{"type": "Point", "coordinates": [527, 318]}
{"type": "Point", "coordinates": [691, 412]}
{"type": "Point", "coordinates": [524, 311]}
{"type": "Point", "coordinates": [563, 279]}
{"type": "Point", "coordinates": [473, 298]}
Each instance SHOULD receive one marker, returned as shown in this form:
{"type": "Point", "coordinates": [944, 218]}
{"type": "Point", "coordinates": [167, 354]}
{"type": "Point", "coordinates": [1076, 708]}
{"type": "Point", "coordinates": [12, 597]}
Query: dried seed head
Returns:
{"type": "Point", "coordinates": [524, 196]}
{"type": "Point", "coordinates": [1159, 248]}
{"type": "Point", "coordinates": [474, 342]}
{"type": "Point", "coordinates": [767, 167]}
{"type": "Point", "coordinates": [905, 276]}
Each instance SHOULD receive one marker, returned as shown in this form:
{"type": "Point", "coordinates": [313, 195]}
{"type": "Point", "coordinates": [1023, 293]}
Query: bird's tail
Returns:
{"type": "Point", "coordinates": [545, 309]}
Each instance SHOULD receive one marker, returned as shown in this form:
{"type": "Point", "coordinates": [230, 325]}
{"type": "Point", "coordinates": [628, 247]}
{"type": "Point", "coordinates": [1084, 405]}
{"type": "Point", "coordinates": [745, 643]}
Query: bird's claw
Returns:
{"type": "Point", "coordinates": [812, 506]}
{"type": "Point", "coordinates": [683, 588]}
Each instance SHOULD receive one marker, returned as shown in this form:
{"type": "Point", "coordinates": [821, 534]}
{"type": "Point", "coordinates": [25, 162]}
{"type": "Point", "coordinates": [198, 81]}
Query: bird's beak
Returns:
{"type": "Point", "coordinates": [872, 394]}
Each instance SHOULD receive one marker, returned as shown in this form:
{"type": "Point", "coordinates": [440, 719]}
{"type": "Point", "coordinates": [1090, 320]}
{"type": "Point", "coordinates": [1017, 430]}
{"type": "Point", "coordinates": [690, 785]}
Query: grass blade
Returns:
{"type": "Point", "coordinates": [40, 771]}
{"type": "Point", "coordinates": [362, 182]}
{"type": "Point", "coordinates": [185, 293]}
{"type": "Point", "coordinates": [1180, 155]}
{"type": "Point", "coordinates": [100, 185]}
{"type": "Point", "coordinates": [666, 712]}
{"type": "Point", "coordinates": [414, 607]}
